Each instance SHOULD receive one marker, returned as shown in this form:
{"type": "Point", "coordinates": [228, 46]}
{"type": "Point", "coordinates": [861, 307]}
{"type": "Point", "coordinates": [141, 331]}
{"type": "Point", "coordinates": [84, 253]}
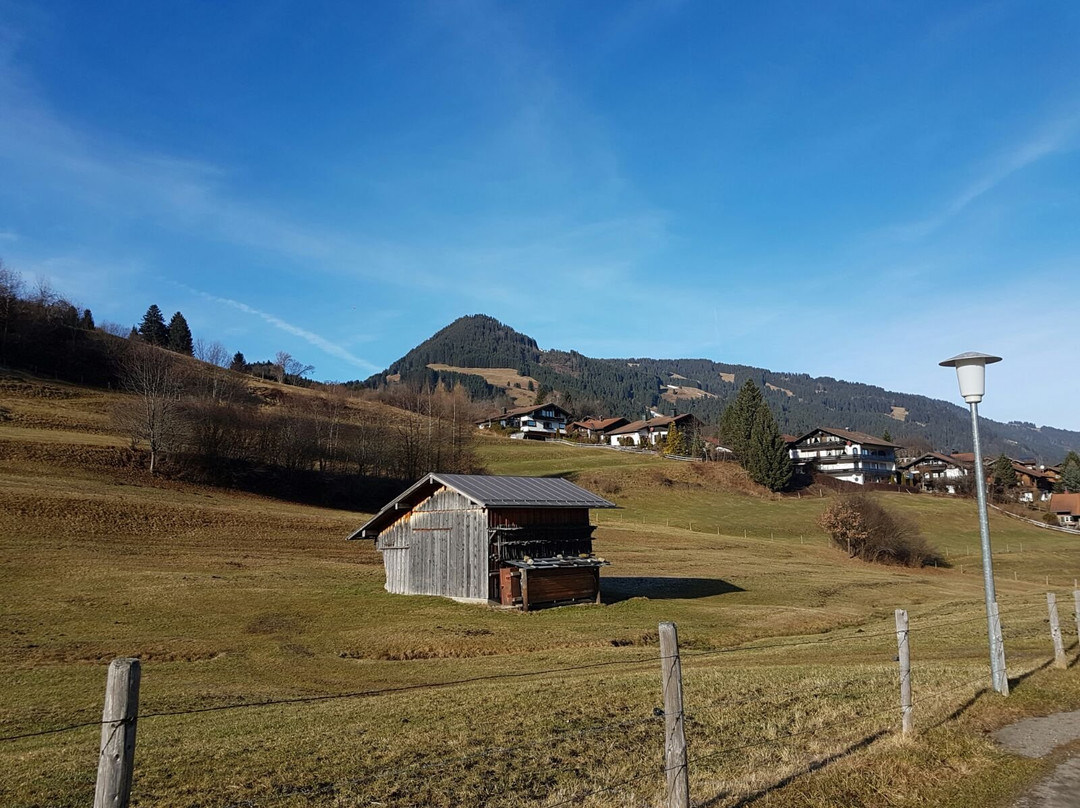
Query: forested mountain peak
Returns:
{"type": "Point", "coordinates": [475, 341]}
{"type": "Point", "coordinates": [633, 387]}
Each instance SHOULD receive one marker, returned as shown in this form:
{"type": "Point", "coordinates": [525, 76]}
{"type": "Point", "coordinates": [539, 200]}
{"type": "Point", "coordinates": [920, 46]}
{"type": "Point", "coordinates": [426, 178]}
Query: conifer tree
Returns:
{"type": "Point", "coordinates": [238, 363]}
{"type": "Point", "coordinates": [676, 442]}
{"type": "Point", "coordinates": [180, 335]}
{"type": "Point", "coordinates": [87, 321]}
{"type": "Point", "coordinates": [152, 328]}
{"type": "Point", "coordinates": [767, 458]}
{"type": "Point", "coordinates": [1070, 474]}
{"type": "Point", "coordinates": [1003, 477]}
{"type": "Point", "coordinates": [738, 420]}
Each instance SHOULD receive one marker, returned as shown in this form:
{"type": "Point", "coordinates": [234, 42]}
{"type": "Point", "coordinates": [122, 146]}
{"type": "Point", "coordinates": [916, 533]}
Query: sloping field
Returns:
{"type": "Point", "coordinates": [677, 393]}
{"type": "Point", "coordinates": [234, 600]}
{"type": "Point", "coordinates": [508, 379]}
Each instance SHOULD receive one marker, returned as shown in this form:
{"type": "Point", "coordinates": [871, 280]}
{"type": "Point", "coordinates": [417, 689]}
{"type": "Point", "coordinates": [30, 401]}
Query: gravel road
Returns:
{"type": "Point", "coordinates": [1038, 737]}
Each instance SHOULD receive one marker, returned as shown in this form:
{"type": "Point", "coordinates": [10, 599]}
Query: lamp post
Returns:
{"type": "Point", "coordinates": [971, 374]}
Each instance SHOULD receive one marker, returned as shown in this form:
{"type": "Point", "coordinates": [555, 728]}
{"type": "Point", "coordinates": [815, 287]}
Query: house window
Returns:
{"type": "Point", "coordinates": [530, 423]}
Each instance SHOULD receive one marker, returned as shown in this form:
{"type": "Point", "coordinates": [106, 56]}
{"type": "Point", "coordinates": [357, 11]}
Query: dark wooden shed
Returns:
{"type": "Point", "coordinates": [518, 541]}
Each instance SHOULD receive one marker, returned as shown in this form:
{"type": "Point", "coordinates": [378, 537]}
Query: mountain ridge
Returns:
{"type": "Point", "coordinates": [631, 386]}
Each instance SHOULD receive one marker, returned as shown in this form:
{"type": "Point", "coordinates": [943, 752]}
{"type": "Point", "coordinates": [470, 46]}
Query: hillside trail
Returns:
{"type": "Point", "coordinates": [1038, 737]}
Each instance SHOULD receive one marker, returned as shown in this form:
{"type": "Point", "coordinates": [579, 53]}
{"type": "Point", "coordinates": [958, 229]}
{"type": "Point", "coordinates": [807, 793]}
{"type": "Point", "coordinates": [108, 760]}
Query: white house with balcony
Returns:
{"type": "Point", "coordinates": [538, 422]}
{"type": "Point", "coordinates": [854, 457]}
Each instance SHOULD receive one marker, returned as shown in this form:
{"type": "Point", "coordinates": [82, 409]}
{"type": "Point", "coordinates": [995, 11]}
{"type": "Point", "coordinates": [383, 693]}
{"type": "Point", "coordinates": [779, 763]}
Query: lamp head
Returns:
{"type": "Point", "coordinates": [971, 373]}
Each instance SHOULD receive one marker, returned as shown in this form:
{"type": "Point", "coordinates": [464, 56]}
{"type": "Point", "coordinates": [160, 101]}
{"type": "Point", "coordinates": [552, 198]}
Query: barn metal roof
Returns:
{"type": "Point", "coordinates": [487, 491]}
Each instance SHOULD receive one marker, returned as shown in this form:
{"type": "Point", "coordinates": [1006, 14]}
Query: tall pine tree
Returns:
{"type": "Point", "coordinates": [152, 328]}
{"type": "Point", "coordinates": [767, 458]}
{"type": "Point", "coordinates": [1003, 478]}
{"type": "Point", "coordinates": [1070, 474]}
{"type": "Point", "coordinates": [180, 335]}
{"type": "Point", "coordinates": [738, 420]}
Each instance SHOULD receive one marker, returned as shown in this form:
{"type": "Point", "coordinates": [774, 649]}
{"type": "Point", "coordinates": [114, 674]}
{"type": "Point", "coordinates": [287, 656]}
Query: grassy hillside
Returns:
{"type": "Point", "coordinates": [232, 599]}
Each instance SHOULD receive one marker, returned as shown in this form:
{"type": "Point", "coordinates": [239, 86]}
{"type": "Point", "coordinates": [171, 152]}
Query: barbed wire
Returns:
{"type": "Point", "coordinates": [346, 695]}
{"type": "Point", "coordinates": [53, 731]}
{"type": "Point", "coordinates": [534, 747]}
{"type": "Point", "coordinates": [651, 658]}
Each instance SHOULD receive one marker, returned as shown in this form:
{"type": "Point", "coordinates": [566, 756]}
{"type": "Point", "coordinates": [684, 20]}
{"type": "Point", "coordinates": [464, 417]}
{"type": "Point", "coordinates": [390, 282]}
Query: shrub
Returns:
{"type": "Point", "coordinates": [867, 530]}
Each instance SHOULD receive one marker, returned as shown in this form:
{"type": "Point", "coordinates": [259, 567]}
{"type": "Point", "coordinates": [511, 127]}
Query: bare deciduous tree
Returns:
{"type": "Point", "coordinates": [11, 287]}
{"type": "Point", "coordinates": [213, 353]}
{"type": "Point", "coordinates": [115, 329]}
{"type": "Point", "coordinates": [155, 378]}
{"type": "Point", "coordinates": [287, 366]}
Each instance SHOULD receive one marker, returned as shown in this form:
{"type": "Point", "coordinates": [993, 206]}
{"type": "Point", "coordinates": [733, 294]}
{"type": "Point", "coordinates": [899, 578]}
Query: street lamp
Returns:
{"type": "Point", "coordinates": [971, 374]}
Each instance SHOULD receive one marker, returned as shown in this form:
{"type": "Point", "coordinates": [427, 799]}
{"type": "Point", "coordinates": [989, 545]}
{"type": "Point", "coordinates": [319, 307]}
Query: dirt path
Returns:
{"type": "Point", "coordinates": [1038, 737]}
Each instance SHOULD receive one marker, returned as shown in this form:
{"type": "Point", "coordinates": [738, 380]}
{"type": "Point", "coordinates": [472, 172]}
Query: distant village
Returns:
{"type": "Point", "coordinates": [840, 455]}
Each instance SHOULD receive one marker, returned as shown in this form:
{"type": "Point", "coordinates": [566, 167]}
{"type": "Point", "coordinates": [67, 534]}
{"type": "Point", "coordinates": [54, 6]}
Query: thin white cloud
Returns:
{"type": "Point", "coordinates": [1052, 138]}
{"type": "Point", "coordinates": [320, 342]}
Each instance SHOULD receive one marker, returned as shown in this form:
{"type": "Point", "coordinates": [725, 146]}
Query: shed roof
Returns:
{"type": "Point", "coordinates": [487, 491]}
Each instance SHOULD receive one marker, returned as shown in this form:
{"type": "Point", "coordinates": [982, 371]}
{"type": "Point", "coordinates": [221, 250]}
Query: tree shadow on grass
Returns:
{"type": "Point", "coordinates": [816, 765]}
{"type": "Point", "coordinates": [615, 589]}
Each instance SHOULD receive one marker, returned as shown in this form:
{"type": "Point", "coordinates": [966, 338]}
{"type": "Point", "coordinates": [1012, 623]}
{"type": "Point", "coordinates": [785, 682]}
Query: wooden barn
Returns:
{"type": "Point", "coordinates": [518, 541]}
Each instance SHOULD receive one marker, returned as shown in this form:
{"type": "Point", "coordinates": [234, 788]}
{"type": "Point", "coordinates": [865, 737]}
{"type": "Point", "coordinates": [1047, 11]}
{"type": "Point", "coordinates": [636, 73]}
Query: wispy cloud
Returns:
{"type": "Point", "coordinates": [1052, 138]}
{"type": "Point", "coordinates": [8, 235]}
{"type": "Point", "coordinates": [320, 342]}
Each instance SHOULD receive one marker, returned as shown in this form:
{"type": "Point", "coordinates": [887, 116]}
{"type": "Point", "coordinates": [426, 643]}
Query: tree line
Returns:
{"type": "Point", "coordinates": [46, 334]}
{"type": "Point", "coordinates": [207, 423]}
{"type": "Point", "coordinates": [194, 412]}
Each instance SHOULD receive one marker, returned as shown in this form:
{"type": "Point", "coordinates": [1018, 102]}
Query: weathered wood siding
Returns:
{"type": "Point", "coordinates": [562, 585]}
{"type": "Point", "coordinates": [439, 548]}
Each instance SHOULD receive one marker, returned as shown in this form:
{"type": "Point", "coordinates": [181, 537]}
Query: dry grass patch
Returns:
{"type": "Point", "coordinates": [507, 379]}
{"type": "Point", "coordinates": [234, 599]}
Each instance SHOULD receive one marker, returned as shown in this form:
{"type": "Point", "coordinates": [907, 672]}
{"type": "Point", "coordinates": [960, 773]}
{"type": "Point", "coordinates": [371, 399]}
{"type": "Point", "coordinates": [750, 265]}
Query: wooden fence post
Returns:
{"type": "Point", "coordinates": [905, 669]}
{"type": "Point", "coordinates": [1055, 631]}
{"type": "Point", "coordinates": [1076, 613]}
{"type": "Point", "coordinates": [678, 777]}
{"type": "Point", "coordinates": [117, 758]}
{"type": "Point", "coordinates": [1002, 687]}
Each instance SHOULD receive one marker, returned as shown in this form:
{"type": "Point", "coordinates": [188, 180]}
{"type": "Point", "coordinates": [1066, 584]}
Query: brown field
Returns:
{"type": "Point", "coordinates": [232, 599]}
{"type": "Point", "coordinates": [508, 379]}
{"type": "Point", "coordinates": [685, 394]}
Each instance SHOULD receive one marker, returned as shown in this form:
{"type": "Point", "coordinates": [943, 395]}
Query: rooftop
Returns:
{"type": "Point", "coordinates": [487, 491]}
{"type": "Point", "coordinates": [854, 437]}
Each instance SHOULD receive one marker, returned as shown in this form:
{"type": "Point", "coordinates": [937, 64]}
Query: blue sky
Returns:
{"type": "Point", "coordinates": [852, 189]}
